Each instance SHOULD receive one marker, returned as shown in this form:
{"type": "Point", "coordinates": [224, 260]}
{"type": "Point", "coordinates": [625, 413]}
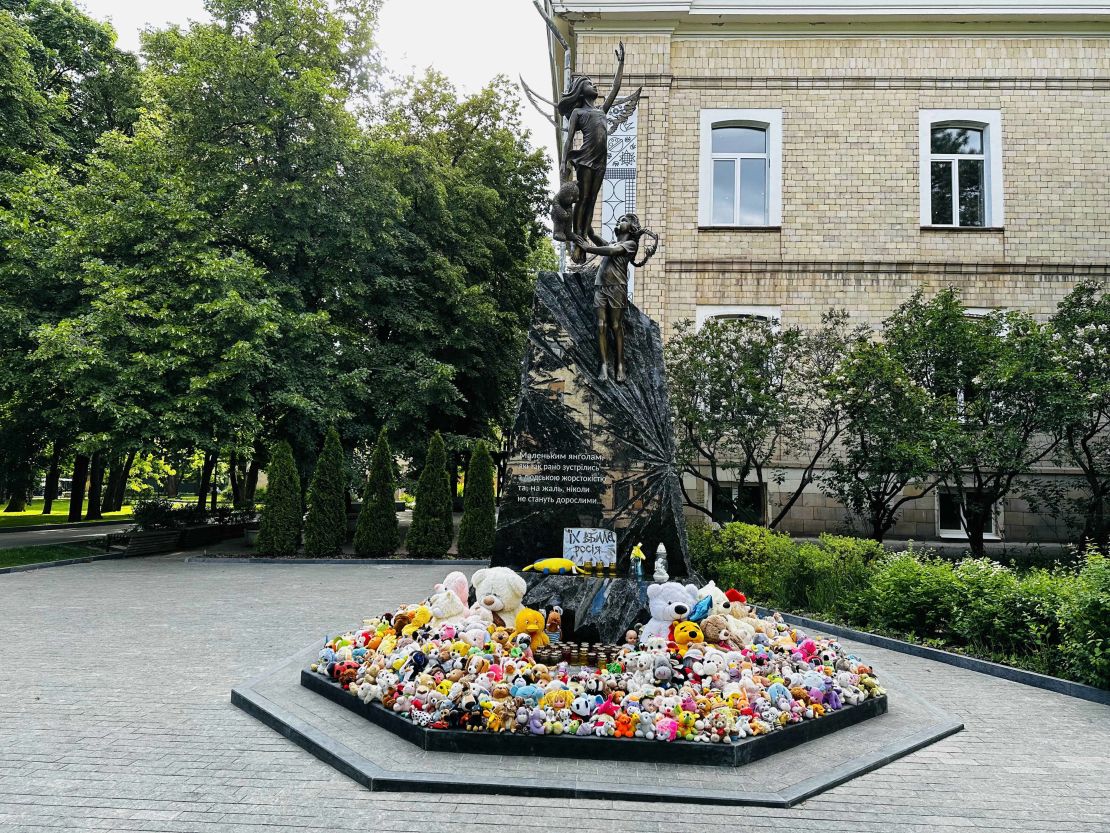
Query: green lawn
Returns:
{"type": "Point", "coordinates": [49, 552]}
{"type": "Point", "coordinates": [33, 515]}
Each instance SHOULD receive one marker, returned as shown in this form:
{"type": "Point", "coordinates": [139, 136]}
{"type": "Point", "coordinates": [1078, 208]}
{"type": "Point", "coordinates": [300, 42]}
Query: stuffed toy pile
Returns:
{"type": "Point", "coordinates": [704, 668]}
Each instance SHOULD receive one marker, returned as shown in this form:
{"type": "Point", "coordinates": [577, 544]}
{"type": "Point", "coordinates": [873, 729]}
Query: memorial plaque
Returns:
{"type": "Point", "coordinates": [589, 452]}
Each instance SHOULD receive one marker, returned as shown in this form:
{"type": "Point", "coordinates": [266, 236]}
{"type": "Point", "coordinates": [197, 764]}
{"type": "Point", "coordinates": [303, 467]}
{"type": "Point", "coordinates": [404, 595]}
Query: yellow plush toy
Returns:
{"type": "Point", "coordinates": [531, 622]}
{"type": "Point", "coordinates": [561, 566]}
{"type": "Point", "coordinates": [421, 616]}
{"type": "Point", "coordinates": [686, 635]}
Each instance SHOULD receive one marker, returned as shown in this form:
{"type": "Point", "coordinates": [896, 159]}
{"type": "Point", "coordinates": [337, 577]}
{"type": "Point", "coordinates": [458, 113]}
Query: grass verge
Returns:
{"type": "Point", "coordinates": [20, 556]}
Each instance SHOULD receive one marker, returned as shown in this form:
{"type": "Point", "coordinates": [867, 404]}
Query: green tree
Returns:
{"type": "Point", "coordinates": [1081, 342]}
{"type": "Point", "coordinates": [428, 537]}
{"type": "Point", "coordinates": [887, 445]}
{"type": "Point", "coordinates": [280, 528]}
{"type": "Point", "coordinates": [476, 531]}
{"type": "Point", "coordinates": [376, 534]}
{"type": "Point", "coordinates": [325, 527]}
{"type": "Point", "coordinates": [997, 391]}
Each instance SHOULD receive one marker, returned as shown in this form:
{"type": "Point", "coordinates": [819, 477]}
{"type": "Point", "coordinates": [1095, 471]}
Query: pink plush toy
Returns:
{"type": "Point", "coordinates": [666, 729]}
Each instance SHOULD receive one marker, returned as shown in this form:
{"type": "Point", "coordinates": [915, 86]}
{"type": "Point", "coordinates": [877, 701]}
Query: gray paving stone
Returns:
{"type": "Point", "coordinates": [114, 680]}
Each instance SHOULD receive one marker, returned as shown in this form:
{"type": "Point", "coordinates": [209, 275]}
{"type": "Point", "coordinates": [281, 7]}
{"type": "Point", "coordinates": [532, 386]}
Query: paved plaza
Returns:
{"type": "Point", "coordinates": [115, 715]}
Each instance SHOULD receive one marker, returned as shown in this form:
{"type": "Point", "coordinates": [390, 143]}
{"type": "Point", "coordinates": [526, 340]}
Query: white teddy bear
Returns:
{"type": "Point", "coordinates": [448, 603]}
{"type": "Point", "coordinates": [499, 592]}
{"type": "Point", "coordinates": [669, 603]}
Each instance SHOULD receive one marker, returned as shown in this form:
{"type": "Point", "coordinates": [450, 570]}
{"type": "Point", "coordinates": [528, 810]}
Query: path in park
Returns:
{"type": "Point", "coordinates": [114, 715]}
{"type": "Point", "coordinates": [36, 537]}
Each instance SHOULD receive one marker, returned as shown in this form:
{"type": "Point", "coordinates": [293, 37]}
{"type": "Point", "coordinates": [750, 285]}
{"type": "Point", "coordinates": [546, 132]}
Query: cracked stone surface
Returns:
{"type": "Point", "coordinates": [566, 411]}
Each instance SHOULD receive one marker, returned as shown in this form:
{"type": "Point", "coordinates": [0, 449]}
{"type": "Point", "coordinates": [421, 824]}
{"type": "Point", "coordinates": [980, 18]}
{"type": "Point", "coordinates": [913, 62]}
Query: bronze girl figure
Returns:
{"type": "Point", "coordinates": [590, 159]}
{"type": "Point", "coordinates": [611, 284]}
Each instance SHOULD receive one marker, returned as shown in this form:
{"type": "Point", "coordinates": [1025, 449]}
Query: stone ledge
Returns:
{"type": "Point", "coordinates": [591, 748]}
{"type": "Point", "coordinates": [317, 725]}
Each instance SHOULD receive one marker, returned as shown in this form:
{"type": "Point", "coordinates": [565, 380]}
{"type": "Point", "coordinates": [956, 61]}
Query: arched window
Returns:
{"type": "Point", "coordinates": [961, 168]}
{"type": "Point", "coordinates": [741, 168]}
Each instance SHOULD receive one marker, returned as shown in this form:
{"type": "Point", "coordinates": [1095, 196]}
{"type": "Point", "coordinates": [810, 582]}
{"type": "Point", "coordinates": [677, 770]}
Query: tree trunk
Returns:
{"type": "Point", "coordinates": [1097, 528]}
{"type": "Point", "coordinates": [975, 522]}
{"type": "Point", "coordinates": [121, 487]}
{"type": "Point", "coordinates": [96, 482]}
{"type": "Point", "coordinates": [77, 490]}
{"type": "Point", "coordinates": [52, 476]}
{"type": "Point", "coordinates": [205, 479]}
{"type": "Point", "coordinates": [251, 484]}
{"type": "Point", "coordinates": [114, 465]}
{"type": "Point", "coordinates": [236, 483]}
{"type": "Point", "coordinates": [171, 486]}
{"type": "Point", "coordinates": [17, 501]}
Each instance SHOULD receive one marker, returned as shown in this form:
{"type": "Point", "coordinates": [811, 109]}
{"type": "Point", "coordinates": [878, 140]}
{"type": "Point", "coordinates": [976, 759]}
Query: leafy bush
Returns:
{"type": "Point", "coordinates": [911, 595]}
{"type": "Point", "coordinates": [325, 527]}
{"type": "Point", "coordinates": [1086, 623]}
{"type": "Point", "coordinates": [160, 513]}
{"type": "Point", "coordinates": [476, 531]}
{"type": "Point", "coordinates": [376, 533]}
{"type": "Point", "coordinates": [849, 549]}
{"type": "Point", "coordinates": [279, 531]}
{"type": "Point", "coordinates": [429, 536]}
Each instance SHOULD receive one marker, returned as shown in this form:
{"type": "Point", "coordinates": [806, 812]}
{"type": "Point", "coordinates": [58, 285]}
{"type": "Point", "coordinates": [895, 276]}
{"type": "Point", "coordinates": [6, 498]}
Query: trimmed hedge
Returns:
{"type": "Point", "coordinates": [279, 530]}
{"type": "Point", "coordinates": [476, 531]}
{"type": "Point", "coordinates": [325, 526]}
{"type": "Point", "coordinates": [1051, 621]}
{"type": "Point", "coordinates": [376, 534]}
{"type": "Point", "coordinates": [430, 536]}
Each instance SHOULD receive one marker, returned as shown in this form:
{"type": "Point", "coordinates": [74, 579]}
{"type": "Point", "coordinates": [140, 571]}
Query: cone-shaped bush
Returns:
{"type": "Point", "coordinates": [279, 530]}
{"type": "Point", "coordinates": [429, 537]}
{"type": "Point", "coordinates": [376, 532]}
{"type": "Point", "coordinates": [325, 525]}
{"type": "Point", "coordinates": [476, 529]}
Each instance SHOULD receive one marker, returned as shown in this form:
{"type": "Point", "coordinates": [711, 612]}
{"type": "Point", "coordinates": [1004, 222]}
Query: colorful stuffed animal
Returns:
{"type": "Point", "coordinates": [498, 591]}
{"type": "Point", "coordinates": [686, 636]}
{"type": "Point", "coordinates": [532, 623]}
{"type": "Point", "coordinates": [560, 566]}
{"type": "Point", "coordinates": [448, 603]}
{"type": "Point", "coordinates": [669, 603]}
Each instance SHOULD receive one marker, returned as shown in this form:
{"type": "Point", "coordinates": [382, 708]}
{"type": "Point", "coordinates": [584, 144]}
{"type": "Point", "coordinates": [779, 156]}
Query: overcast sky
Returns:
{"type": "Point", "coordinates": [470, 42]}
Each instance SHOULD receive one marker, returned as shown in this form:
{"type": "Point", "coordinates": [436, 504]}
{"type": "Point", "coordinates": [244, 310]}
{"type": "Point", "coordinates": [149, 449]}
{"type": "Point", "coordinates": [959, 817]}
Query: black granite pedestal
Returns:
{"type": "Point", "coordinates": [594, 609]}
{"type": "Point", "coordinates": [586, 451]}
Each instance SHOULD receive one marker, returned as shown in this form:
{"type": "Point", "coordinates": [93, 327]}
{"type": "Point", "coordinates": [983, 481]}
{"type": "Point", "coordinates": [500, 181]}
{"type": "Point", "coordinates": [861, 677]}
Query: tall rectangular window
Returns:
{"type": "Point", "coordinates": [741, 168]}
{"type": "Point", "coordinates": [961, 168]}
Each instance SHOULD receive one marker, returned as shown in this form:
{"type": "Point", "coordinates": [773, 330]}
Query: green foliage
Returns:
{"type": "Point", "coordinates": [912, 595]}
{"type": "Point", "coordinates": [476, 531]}
{"type": "Point", "coordinates": [888, 440]}
{"type": "Point", "coordinates": [428, 537]}
{"type": "Point", "coordinates": [325, 527]}
{"type": "Point", "coordinates": [279, 530]}
{"type": "Point", "coordinates": [1086, 623]}
{"type": "Point", "coordinates": [376, 534]}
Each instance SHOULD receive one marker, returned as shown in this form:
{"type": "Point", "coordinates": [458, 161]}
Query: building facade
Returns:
{"type": "Point", "coordinates": [797, 157]}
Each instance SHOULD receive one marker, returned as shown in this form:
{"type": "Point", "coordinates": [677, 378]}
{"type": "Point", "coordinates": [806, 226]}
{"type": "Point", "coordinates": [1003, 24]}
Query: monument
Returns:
{"type": "Point", "coordinates": [592, 445]}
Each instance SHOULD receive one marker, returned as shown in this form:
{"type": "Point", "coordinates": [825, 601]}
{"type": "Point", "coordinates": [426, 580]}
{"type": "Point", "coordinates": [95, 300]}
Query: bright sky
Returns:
{"type": "Point", "coordinates": [470, 42]}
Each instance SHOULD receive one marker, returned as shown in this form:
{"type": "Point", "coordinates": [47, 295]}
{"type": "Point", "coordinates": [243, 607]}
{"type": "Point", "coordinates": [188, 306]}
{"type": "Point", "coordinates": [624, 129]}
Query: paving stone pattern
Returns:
{"type": "Point", "coordinates": [115, 715]}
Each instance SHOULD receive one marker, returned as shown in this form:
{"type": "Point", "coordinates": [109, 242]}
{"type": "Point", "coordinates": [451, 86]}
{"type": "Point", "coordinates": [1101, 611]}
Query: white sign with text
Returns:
{"type": "Point", "coordinates": [590, 546]}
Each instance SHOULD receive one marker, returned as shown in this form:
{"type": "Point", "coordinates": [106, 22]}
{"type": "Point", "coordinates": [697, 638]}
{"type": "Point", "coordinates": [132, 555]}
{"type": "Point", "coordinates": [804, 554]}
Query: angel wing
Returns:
{"type": "Point", "coordinates": [538, 101]}
{"type": "Point", "coordinates": [622, 110]}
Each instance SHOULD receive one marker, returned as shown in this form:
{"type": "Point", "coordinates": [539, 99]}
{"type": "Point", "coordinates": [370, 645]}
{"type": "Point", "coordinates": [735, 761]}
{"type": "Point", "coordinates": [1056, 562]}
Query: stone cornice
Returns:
{"type": "Point", "coordinates": [735, 82]}
{"type": "Point", "coordinates": [872, 267]}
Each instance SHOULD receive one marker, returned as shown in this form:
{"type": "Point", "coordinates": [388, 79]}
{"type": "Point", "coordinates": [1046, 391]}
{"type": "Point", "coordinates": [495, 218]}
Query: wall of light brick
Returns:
{"type": "Point", "coordinates": [851, 234]}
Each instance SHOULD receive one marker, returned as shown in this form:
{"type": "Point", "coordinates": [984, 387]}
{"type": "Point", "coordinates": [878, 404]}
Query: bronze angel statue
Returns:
{"type": "Point", "coordinates": [573, 208]}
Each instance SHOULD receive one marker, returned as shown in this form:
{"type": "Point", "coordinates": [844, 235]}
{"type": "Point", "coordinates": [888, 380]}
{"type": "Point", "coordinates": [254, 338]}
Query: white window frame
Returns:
{"type": "Point", "coordinates": [703, 313]}
{"type": "Point", "coordinates": [990, 122]}
{"type": "Point", "coordinates": [961, 533]}
{"type": "Point", "coordinates": [769, 120]}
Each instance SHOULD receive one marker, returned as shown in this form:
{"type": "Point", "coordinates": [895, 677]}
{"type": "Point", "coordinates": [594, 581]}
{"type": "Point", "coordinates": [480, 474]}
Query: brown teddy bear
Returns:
{"type": "Point", "coordinates": [716, 630]}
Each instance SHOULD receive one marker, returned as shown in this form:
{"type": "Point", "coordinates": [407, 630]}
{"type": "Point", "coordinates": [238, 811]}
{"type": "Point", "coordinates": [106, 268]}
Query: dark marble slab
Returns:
{"type": "Point", "coordinates": [594, 609]}
{"type": "Point", "coordinates": [587, 452]}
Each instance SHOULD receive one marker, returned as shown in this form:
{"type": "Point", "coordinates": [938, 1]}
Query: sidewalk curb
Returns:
{"type": "Point", "coordinates": [1057, 685]}
{"type": "Point", "coordinates": [370, 562]}
{"type": "Point", "coordinates": [64, 562]}
{"type": "Point", "coordinates": [77, 525]}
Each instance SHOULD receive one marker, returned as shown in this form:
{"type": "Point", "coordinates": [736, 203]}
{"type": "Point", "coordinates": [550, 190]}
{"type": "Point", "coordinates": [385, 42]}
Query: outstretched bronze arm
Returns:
{"type": "Point", "coordinates": [615, 91]}
{"type": "Point", "coordinates": [605, 251]}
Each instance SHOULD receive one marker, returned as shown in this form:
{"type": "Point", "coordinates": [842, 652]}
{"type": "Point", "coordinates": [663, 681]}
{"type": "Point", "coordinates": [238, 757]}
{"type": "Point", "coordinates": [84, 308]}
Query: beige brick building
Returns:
{"type": "Point", "coordinates": [792, 156]}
